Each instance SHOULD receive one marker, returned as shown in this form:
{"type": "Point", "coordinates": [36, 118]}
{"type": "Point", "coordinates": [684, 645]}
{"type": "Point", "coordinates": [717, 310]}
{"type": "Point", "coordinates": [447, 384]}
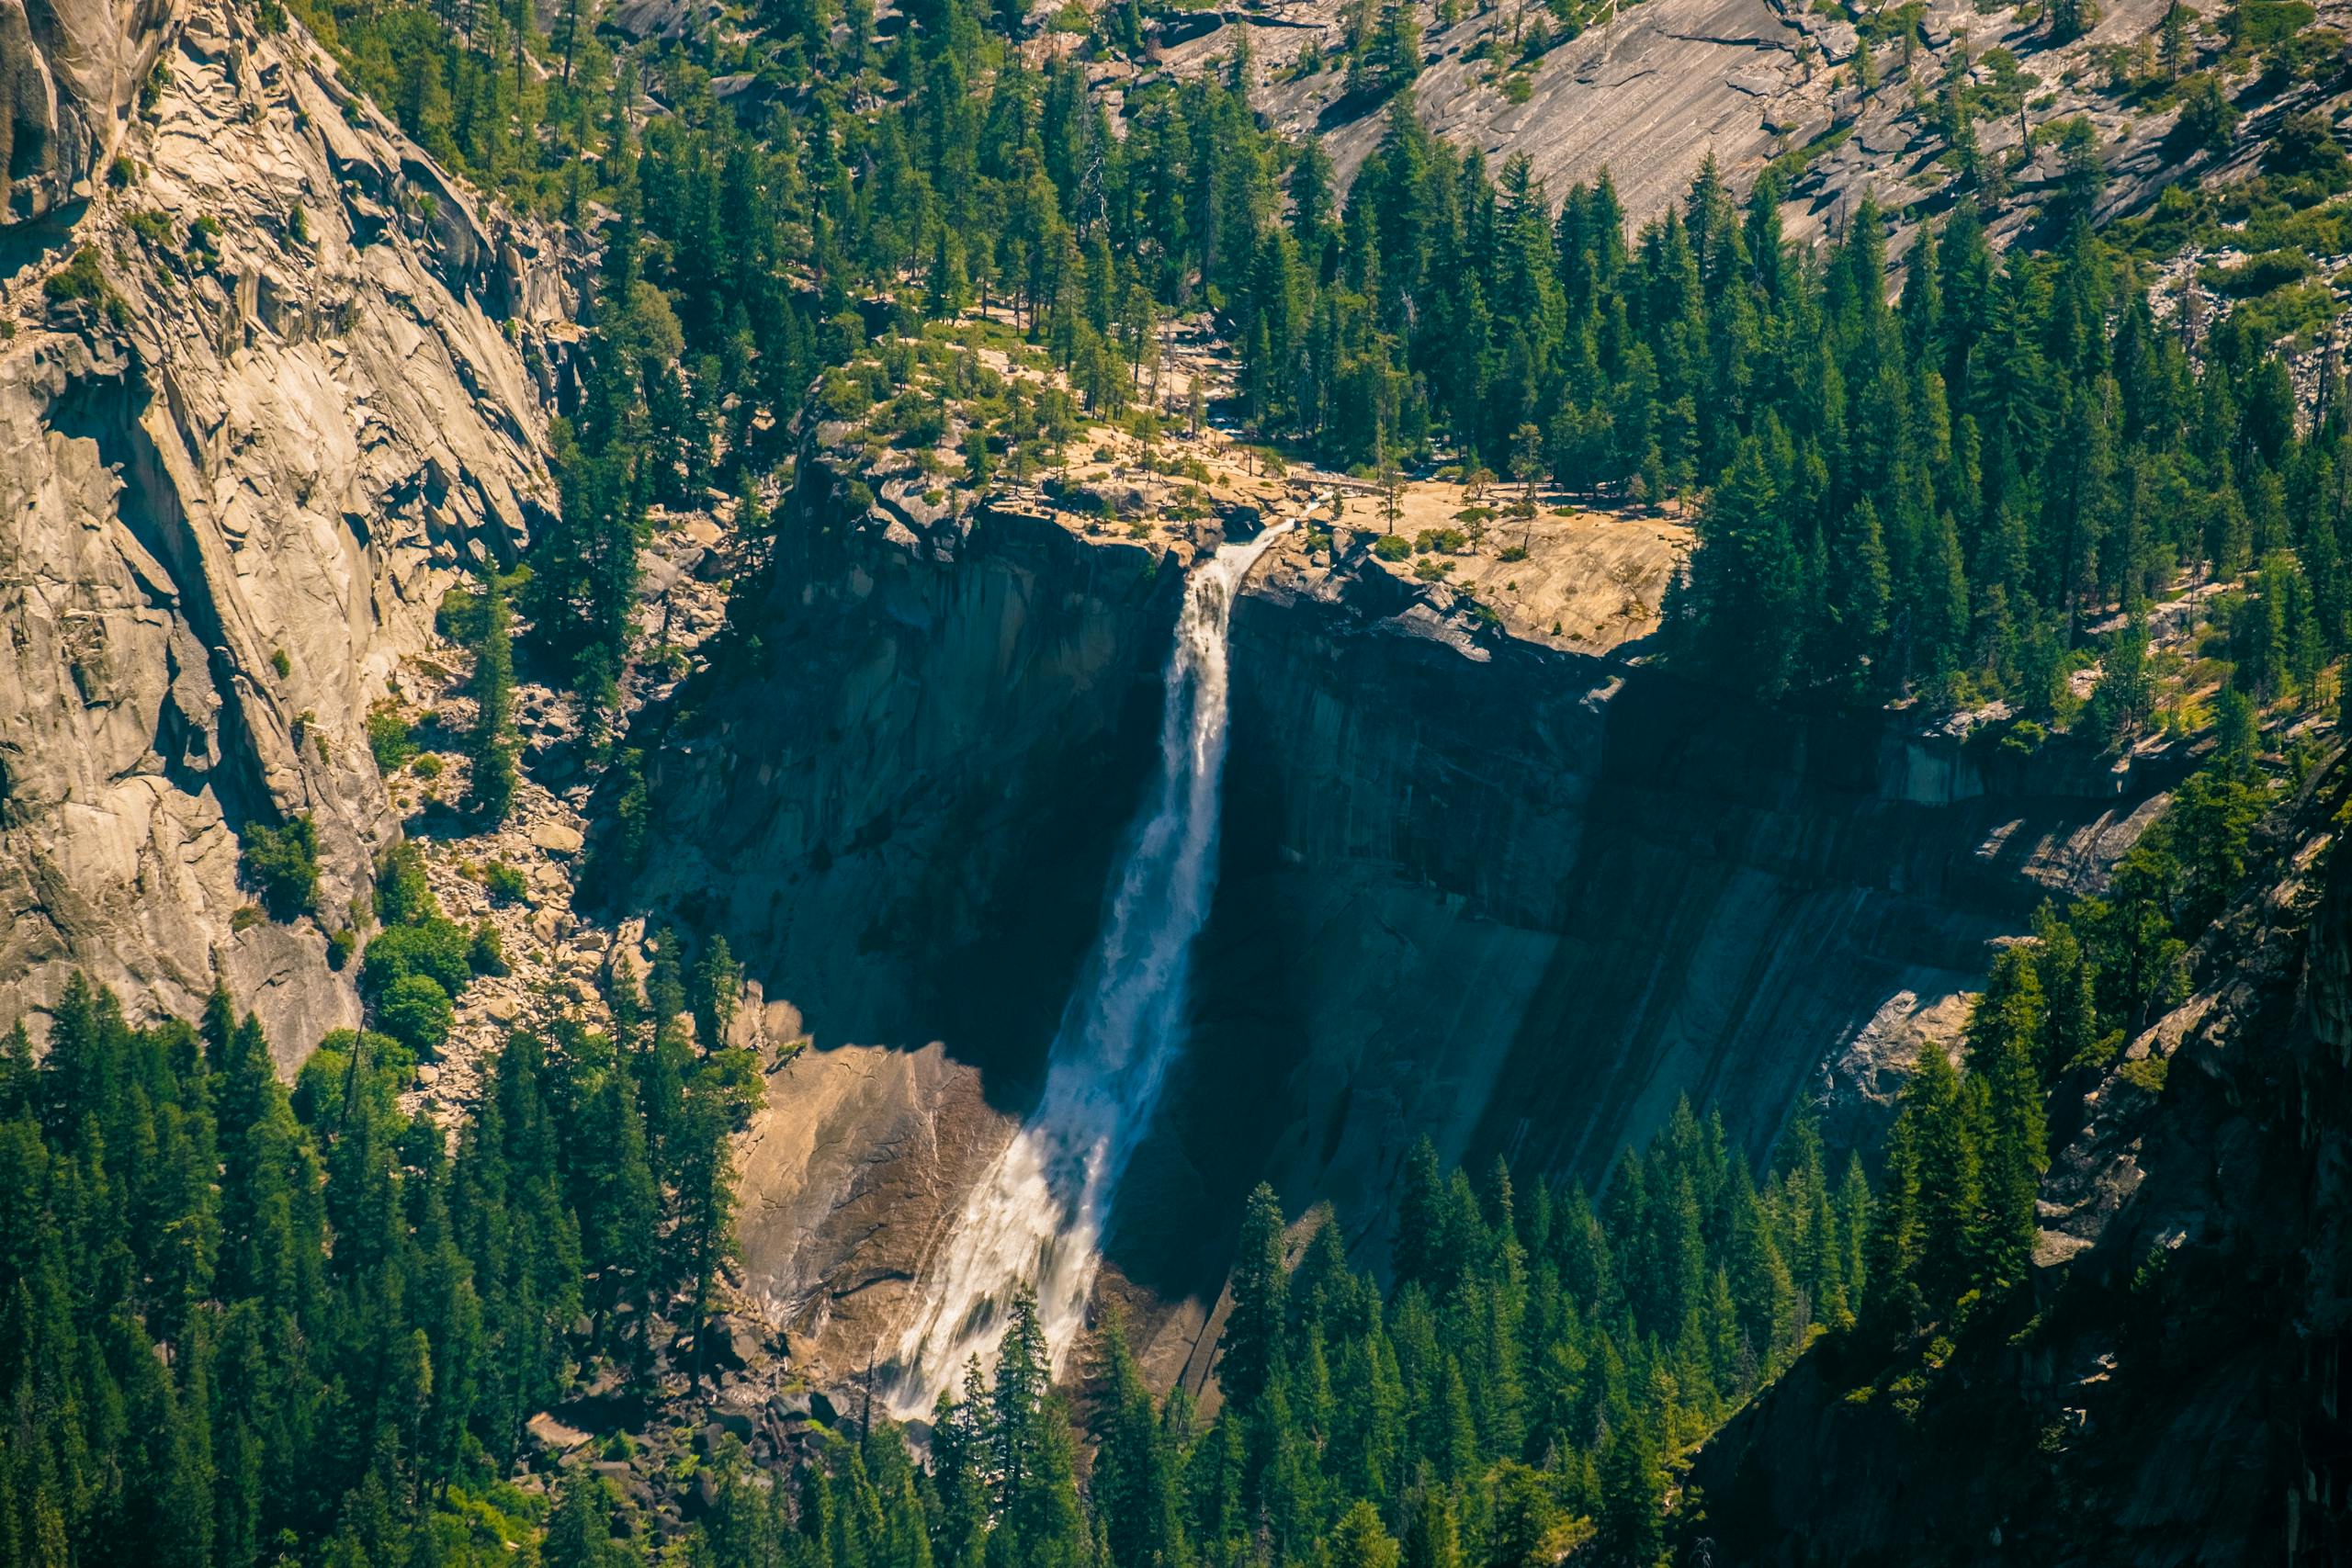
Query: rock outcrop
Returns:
{"type": "Point", "coordinates": [239, 463]}
{"type": "Point", "coordinates": [1649, 91]}
{"type": "Point", "coordinates": [70, 72]}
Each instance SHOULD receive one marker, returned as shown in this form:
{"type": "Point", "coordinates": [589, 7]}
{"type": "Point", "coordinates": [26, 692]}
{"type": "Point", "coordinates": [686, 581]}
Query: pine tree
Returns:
{"type": "Point", "coordinates": [1419, 1245]}
{"type": "Point", "coordinates": [1432, 1538]}
{"type": "Point", "coordinates": [2174, 50]}
{"type": "Point", "coordinates": [1038, 1523]}
{"type": "Point", "coordinates": [1948, 1185]}
{"type": "Point", "coordinates": [1133, 1480]}
{"type": "Point", "coordinates": [491, 745]}
{"type": "Point", "coordinates": [1631, 1531]}
{"type": "Point", "coordinates": [717, 981]}
{"type": "Point", "coordinates": [2004, 1030]}
{"type": "Point", "coordinates": [1253, 1332]}
{"type": "Point", "coordinates": [1359, 1541]}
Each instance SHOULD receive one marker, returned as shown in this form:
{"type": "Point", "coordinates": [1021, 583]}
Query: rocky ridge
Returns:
{"type": "Point", "coordinates": [276, 406]}
{"type": "Point", "coordinates": [1649, 91]}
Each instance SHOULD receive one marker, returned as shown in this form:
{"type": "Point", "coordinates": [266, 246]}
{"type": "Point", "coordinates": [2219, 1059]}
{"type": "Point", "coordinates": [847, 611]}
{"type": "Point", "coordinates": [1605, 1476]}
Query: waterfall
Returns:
{"type": "Point", "coordinates": [1035, 1221]}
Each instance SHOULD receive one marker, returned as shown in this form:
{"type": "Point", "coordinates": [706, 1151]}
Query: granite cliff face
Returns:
{"type": "Point", "coordinates": [235, 477]}
{"type": "Point", "coordinates": [1650, 91]}
{"type": "Point", "coordinates": [69, 72]}
{"type": "Point", "coordinates": [1515, 897]}
{"type": "Point", "coordinates": [897, 800]}
{"type": "Point", "coordinates": [1523, 899]}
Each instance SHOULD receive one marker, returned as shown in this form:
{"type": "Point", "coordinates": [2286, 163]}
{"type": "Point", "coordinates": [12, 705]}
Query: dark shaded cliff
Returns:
{"type": "Point", "coordinates": [899, 794]}
{"type": "Point", "coordinates": [2171, 1392]}
{"type": "Point", "coordinates": [1524, 900]}
{"type": "Point", "coordinates": [1518, 898]}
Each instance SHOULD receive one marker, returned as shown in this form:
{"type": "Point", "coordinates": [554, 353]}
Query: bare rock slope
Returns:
{"type": "Point", "coordinates": [69, 72]}
{"type": "Point", "coordinates": [237, 468]}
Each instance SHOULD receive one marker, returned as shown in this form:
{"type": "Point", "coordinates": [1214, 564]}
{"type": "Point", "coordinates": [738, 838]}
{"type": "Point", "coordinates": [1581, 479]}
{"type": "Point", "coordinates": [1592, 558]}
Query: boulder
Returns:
{"type": "Point", "coordinates": [730, 1342]}
{"type": "Point", "coordinates": [556, 838]}
{"type": "Point", "coordinates": [552, 1435]}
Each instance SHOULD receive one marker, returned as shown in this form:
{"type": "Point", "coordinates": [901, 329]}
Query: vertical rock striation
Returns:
{"type": "Point", "coordinates": [233, 483]}
{"type": "Point", "coordinates": [1517, 899]}
{"type": "Point", "coordinates": [70, 72]}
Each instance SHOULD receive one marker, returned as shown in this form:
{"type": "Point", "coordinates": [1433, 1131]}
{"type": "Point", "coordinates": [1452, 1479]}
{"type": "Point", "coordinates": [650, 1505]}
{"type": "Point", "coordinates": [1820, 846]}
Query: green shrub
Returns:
{"type": "Point", "coordinates": [80, 279]}
{"type": "Point", "coordinates": [281, 864]}
{"type": "Point", "coordinates": [2305, 147]}
{"type": "Point", "coordinates": [416, 1011]}
{"type": "Point", "coordinates": [458, 616]}
{"type": "Point", "coordinates": [844, 394]}
{"type": "Point", "coordinates": [1392, 547]}
{"type": "Point", "coordinates": [85, 279]}
{"type": "Point", "coordinates": [2207, 119]}
{"type": "Point", "coordinates": [2294, 311]}
{"type": "Point", "coordinates": [2255, 23]}
{"type": "Point", "coordinates": [919, 421]}
{"type": "Point", "coordinates": [504, 883]}
{"type": "Point", "coordinates": [403, 896]}
{"type": "Point", "coordinates": [485, 952]}
{"type": "Point", "coordinates": [385, 1067]}
{"type": "Point", "coordinates": [280, 662]}
{"type": "Point", "coordinates": [389, 738]}
{"type": "Point", "coordinates": [341, 945]}
{"type": "Point", "coordinates": [2260, 275]}
{"type": "Point", "coordinates": [440, 950]}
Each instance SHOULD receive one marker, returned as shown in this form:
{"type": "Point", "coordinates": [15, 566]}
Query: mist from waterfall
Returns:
{"type": "Point", "coordinates": [1035, 1220]}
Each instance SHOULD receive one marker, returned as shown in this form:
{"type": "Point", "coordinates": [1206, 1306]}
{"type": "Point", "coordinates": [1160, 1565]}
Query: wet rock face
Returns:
{"type": "Point", "coordinates": [69, 72]}
{"type": "Point", "coordinates": [232, 489]}
{"type": "Point", "coordinates": [899, 805]}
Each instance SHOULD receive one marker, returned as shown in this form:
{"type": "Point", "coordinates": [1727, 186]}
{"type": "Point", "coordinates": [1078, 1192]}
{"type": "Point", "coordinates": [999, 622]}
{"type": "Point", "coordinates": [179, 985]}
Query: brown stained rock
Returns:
{"type": "Point", "coordinates": [851, 1174]}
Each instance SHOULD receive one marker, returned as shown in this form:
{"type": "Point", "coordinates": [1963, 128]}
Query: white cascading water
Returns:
{"type": "Point", "coordinates": [1035, 1220]}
